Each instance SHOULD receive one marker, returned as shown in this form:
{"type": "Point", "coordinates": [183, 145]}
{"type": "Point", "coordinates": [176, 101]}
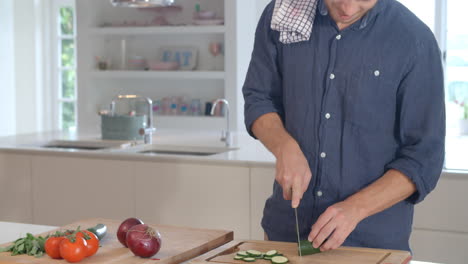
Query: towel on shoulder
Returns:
{"type": "Point", "coordinates": [294, 19]}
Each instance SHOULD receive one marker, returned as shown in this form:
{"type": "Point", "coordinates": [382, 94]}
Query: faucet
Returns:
{"type": "Point", "coordinates": [225, 134]}
{"type": "Point", "coordinates": [146, 132]}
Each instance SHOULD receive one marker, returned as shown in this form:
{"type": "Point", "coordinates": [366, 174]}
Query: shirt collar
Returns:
{"type": "Point", "coordinates": [364, 21]}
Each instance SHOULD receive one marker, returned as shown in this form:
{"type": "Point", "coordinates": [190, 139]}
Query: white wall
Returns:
{"type": "Point", "coordinates": [17, 67]}
{"type": "Point", "coordinates": [7, 88]}
{"type": "Point", "coordinates": [25, 66]}
{"type": "Point", "coordinates": [260, 6]}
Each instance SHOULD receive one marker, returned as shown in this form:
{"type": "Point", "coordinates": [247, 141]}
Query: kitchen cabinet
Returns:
{"type": "Point", "coordinates": [203, 196]}
{"type": "Point", "coordinates": [69, 189]}
{"type": "Point", "coordinates": [15, 188]}
{"type": "Point", "coordinates": [440, 229]}
{"type": "Point", "coordinates": [261, 187]}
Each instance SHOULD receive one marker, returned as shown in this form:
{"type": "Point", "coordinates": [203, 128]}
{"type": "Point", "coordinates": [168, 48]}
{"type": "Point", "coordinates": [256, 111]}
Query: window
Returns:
{"type": "Point", "coordinates": [446, 19]}
{"type": "Point", "coordinates": [64, 75]}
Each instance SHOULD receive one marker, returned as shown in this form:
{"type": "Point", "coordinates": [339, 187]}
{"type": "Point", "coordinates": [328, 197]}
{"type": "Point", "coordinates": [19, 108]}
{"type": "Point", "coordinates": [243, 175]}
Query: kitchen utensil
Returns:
{"type": "Point", "coordinates": [297, 232]}
{"type": "Point", "coordinates": [343, 255]}
{"type": "Point", "coordinates": [122, 127]}
{"type": "Point", "coordinates": [206, 14]}
{"type": "Point", "coordinates": [179, 244]}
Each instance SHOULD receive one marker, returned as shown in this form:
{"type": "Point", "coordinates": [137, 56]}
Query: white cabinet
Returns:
{"type": "Point", "coordinates": [440, 231]}
{"type": "Point", "coordinates": [15, 188]}
{"type": "Point", "coordinates": [204, 196]}
{"type": "Point", "coordinates": [69, 189]}
{"type": "Point", "coordinates": [261, 187]}
{"type": "Point", "coordinates": [439, 246]}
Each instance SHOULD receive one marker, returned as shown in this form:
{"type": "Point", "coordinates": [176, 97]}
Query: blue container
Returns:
{"type": "Point", "coordinates": [122, 127]}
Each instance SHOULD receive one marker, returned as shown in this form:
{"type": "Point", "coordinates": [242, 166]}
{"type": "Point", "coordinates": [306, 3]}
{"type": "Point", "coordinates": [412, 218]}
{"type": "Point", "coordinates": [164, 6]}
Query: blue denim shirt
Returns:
{"type": "Point", "coordinates": [359, 102]}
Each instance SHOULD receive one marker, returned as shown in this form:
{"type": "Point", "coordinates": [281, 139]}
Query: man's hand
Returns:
{"type": "Point", "coordinates": [292, 171]}
{"type": "Point", "coordinates": [336, 223]}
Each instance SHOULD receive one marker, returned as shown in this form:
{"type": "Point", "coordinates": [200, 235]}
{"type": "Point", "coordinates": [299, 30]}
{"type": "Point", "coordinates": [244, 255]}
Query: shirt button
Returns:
{"type": "Point", "coordinates": [332, 76]}
{"type": "Point", "coordinates": [338, 37]}
{"type": "Point", "coordinates": [319, 193]}
{"type": "Point", "coordinates": [323, 155]}
{"type": "Point", "coordinates": [377, 73]}
{"type": "Point", "coordinates": [327, 115]}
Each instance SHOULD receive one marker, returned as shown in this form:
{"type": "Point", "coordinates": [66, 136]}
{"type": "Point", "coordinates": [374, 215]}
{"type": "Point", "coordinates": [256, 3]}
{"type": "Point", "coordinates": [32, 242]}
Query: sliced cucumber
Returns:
{"type": "Point", "coordinates": [254, 253]}
{"type": "Point", "coordinates": [271, 253]}
{"type": "Point", "coordinates": [279, 260]}
{"type": "Point", "coordinates": [237, 257]}
{"type": "Point", "coordinates": [267, 258]}
{"type": "Point", "coordinates": [242, 253]}
{"type": "Point", "coordinates": [249, 259]}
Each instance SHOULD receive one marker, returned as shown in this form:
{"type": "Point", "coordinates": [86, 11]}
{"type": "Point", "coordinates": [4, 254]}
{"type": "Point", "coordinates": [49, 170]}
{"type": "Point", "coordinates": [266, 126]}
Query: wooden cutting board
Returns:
{"type": "Point", "coordinates": [342, 255]}
{"type": "Point", "coordinates": [178, 244]}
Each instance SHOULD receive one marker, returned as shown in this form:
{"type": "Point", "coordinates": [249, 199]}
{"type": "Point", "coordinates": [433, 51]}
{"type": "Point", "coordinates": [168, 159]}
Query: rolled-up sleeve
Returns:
{"type": "Point", "coordinates": [421, 121]}
{"type": "Point", "coordinates": [262, 87]}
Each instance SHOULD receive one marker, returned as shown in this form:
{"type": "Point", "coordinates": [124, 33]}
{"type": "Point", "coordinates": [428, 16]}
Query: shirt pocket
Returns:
{"type": "Point", "coordinates": [370, 99]}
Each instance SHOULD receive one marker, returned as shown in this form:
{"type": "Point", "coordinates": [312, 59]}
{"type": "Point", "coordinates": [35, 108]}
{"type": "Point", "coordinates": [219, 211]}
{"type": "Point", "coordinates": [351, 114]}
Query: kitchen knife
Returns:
{"type": "Point", "coordinates": [297, 231]}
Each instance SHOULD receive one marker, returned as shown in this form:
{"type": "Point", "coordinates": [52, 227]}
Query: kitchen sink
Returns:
{"type": "Point", "coordinates": [183, 150]}
{"type": "Point", "coordinates": [86, 144]}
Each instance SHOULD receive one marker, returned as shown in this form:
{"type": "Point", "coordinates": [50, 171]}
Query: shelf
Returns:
{"type": "Point", "coordinates": [187, 122]}
{"type": "Point", "coordinates": [158, 30]}
{"type": "Point", "coordinates": [195, 75]}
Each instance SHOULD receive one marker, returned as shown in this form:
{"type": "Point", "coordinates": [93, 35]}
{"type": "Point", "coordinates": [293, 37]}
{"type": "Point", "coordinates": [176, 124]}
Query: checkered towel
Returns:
{"type": "Point", "coordinates": [294, 19]}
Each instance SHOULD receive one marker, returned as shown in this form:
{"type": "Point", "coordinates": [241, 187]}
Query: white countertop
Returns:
{"type": "Point", "coordinates": [249, 152]}
{"type": "Point", "coordinates": [12, 231]}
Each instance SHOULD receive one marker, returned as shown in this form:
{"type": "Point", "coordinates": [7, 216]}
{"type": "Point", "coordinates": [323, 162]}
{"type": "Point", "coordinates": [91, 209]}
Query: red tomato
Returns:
{"type": "Point", "coordinates": [92, 243]}
{"type": "Point", "coordinates": [73, 250]}
{"type": "Point", "coordinates": [52, 247]}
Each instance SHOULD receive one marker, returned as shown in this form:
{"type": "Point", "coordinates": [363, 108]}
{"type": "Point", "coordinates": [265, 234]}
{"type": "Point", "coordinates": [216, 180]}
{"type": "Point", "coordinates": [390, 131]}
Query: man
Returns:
{"type": "Point", "coordinates": [355, 118]}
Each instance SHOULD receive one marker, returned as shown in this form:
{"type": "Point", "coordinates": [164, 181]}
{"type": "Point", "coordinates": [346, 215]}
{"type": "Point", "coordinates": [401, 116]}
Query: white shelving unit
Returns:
{"type": "Point", "coordinates": [174, 75]}
{"type": "Point", "coordinates": [96, 88]}
{"type": "Point", "coordinates": [128, 31]}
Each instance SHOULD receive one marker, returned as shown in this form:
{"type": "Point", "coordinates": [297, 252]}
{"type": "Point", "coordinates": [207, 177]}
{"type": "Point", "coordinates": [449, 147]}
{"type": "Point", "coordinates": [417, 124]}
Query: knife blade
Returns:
{"type": "Point", "coordinates": [297, 231]}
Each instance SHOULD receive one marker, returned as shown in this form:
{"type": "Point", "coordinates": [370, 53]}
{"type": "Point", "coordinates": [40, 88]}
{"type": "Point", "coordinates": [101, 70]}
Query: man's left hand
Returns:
{"type": "Point", "coordinates": [336, 223]}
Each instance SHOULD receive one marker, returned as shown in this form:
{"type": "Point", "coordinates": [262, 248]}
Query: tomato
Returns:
{"type": "Point", "coordinates": [52, 247]}
{"type": "Point", "coordinates": [93, 242]}
{"type": "Point", "coordinates": [73, 249]}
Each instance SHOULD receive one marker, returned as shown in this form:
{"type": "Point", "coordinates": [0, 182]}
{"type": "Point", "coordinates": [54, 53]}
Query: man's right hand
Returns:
{"type": "Point", "coordinates": [292, 171]}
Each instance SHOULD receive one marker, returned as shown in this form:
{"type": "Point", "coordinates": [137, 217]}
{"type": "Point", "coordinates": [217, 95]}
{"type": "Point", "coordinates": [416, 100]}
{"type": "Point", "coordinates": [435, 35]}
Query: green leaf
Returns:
{"type": "Point", "coordinates": [7, 249]}
{"type": "Point", "coordinates": [21, 247]}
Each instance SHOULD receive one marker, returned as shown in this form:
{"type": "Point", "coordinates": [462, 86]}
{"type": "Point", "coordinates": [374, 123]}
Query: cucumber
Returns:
{"type": "Point", "coordinates": [237, 257]}
{"type": "Point", "coordinates": [271, 253]}
{"type": "Point", "coordinates": [279, 260]}
{"type": "Point", "coordinates": [99, 230]}
{"type": "Point", "coordinates": [307, 248]}
{"type": "Point", "coordinates": [249, 259]}
{"type": "Point", "coordinates": [242, 253]}
{"type": "Point", "coordinates": [254, 253]}
{"type": "Point", "coordinates": [267, 258]}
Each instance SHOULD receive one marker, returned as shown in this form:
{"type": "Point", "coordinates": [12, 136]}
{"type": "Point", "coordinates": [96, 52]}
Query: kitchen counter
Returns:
{"type": "Point", "coordinates": [11, 231]}
{"type": "Point", "coordinates": [249, 152]}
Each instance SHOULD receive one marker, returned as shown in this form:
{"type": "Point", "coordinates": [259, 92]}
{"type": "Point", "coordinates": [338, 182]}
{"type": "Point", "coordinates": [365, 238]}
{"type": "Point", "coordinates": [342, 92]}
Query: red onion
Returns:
{"type": "Point", "coordinates": [124, 227]}
{"type": "Point", "coordinates": [143, 240]}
